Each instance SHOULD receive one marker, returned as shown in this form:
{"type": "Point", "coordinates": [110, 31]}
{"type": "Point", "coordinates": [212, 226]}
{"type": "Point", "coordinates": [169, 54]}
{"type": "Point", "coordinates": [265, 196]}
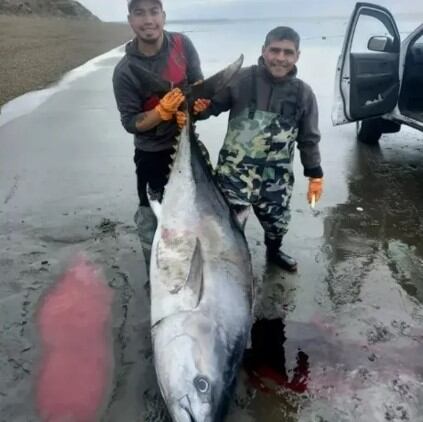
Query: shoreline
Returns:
{"type": "Point", "coordinates": [37, 51]}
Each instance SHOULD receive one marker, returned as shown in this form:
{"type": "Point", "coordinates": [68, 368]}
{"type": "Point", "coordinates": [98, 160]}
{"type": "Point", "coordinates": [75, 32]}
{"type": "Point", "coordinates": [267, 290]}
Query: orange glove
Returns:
{"type": "Point", "coordinates": [315, 188]}
{"type": "Point", "coordinates": [181, 119]}
{"type": "Point", "coordinates": [170, 103]}
{"type": "Point", "coordinates": [200, 105]}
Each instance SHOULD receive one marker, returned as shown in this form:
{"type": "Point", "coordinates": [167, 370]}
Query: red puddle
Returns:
{"type": "Point", "coordinates": [270, 380]}
{"type": "Point", "coordinates": [265, 361]}
{"type": "Point", "coordinates": [76, 352]}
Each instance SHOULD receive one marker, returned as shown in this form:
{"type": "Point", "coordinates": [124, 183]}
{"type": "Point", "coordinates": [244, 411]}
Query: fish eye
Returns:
{"type": "Point", "coordinates": [202, 384]}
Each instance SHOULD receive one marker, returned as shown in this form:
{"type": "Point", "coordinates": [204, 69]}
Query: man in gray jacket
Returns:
{"type": "Point", "coordinates": [270, 110]}
{"type": "Point", "coordinates": [154, 121]}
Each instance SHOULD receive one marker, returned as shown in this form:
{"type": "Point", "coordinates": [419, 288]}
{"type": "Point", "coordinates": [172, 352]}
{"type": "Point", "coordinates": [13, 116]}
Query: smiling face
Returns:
{"type": "Point", "coordinates": [147, 20]}
{"type": "Point", "coordinates": [280, 57]}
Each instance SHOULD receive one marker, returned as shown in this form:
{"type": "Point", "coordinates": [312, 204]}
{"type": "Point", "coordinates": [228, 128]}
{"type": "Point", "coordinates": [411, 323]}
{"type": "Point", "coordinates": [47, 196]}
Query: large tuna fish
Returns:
{"type": "Point", "coordinates": [201, 291]}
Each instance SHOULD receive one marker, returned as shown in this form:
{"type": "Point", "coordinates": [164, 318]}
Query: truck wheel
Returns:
{"type": "Point", "coordinates": [369, 131]}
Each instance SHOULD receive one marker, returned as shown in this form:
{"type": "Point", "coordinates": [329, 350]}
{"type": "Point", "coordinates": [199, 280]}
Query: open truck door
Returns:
{"type": "Point", "coordinates": [367, 79]}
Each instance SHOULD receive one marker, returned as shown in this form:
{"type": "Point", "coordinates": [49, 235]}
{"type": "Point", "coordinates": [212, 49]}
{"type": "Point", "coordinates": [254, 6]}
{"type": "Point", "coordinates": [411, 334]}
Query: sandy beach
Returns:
{"type": "Point", "coordinates": [36, 52]}
{"type": "Point", "coordinates": [345, 331]}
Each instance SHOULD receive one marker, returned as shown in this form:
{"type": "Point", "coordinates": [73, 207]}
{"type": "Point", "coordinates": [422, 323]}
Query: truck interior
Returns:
{"type": "Point", "coordinates": [411, 95]}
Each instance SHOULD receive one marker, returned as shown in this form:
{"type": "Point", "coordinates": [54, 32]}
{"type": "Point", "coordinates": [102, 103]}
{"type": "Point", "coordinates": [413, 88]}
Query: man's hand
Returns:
{"type": "Point", "coordinates": [181, 119]}
{"type": "Point", "coordinates": [200, 105]}
{"type": "Point", "coordinates": [315, 189]}
{"type": "Point", "coordinates": [170, 103]}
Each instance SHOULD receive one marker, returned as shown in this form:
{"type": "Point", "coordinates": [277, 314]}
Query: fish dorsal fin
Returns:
{"type": "Point", "coordinates": [155, 204]}
{"type": "Point", "coordinates": [195, 278]}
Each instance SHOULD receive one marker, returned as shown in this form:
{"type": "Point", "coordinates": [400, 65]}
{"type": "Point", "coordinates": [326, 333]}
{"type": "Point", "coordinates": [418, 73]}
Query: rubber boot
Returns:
{"type": "Point", "coordinates": [276, 256]}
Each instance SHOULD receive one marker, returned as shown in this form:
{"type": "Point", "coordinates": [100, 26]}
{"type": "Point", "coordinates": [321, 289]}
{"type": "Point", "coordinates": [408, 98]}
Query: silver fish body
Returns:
{"type": "Point", "coordinates": [201, 291]}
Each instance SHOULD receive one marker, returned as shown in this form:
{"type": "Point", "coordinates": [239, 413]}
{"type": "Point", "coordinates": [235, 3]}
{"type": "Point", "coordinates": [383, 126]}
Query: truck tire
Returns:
{"type": "Point", "coordinates": [369, 131]}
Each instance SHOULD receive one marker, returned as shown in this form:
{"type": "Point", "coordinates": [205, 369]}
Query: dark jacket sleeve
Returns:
{"type": "Point", "coordinates": [309, 135]}
{"type": "Point", "coordinates": [194, 72]}
{"type": "Point", "coordinates": [221, 102]}
{"type": "Point", "coordinates": [235, 95]}
{"type": "Point", "coordinates": [127, 98]}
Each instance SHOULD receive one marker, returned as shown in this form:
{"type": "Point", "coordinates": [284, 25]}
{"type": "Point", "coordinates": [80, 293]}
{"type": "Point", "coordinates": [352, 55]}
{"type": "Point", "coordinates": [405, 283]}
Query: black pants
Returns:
{"type": "Point", "coordinates": [152, 169]}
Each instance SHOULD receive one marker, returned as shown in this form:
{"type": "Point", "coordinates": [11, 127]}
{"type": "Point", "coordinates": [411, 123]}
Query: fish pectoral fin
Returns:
{"type": "Point", "coordinates": [154, 202]}
{"type": "Point", "coordinates": [195, 276]}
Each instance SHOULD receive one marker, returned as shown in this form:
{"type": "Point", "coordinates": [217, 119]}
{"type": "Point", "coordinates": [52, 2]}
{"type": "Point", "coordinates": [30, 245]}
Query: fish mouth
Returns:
{"type": "Point", "coordinates": [190, 417]}
{"type": "Point", "coordinates": [185, 407]}
{"type": "Point", "coordinates": [187, 415]}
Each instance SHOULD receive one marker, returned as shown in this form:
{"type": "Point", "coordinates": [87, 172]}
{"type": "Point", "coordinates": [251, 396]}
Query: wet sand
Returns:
{"type": "Point", "coordinates": [36, 52]}
{"type": "Point", "coordinates": [346, 330]}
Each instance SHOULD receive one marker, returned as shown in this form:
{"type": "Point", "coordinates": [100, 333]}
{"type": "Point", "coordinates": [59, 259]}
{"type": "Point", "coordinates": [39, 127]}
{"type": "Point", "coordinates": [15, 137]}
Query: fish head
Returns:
{"type": "Point", "coordinates": [191, 374]}
{"type": "Point", "coordinates": [197, 404]}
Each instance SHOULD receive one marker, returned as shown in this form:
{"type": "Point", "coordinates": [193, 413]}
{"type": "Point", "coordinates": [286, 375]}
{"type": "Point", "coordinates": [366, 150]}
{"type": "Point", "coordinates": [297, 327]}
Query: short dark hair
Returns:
{"type": "Point", "coordinates": [281, 33]}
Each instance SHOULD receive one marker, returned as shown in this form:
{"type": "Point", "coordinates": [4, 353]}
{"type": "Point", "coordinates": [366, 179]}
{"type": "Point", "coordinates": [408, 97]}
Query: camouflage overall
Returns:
{"type": "Point", "coordinates": [255, 165]}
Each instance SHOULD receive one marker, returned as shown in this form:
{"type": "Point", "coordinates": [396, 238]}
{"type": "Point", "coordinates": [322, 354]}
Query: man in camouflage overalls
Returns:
{"type": "Point", "coordinates": [270, 110]}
